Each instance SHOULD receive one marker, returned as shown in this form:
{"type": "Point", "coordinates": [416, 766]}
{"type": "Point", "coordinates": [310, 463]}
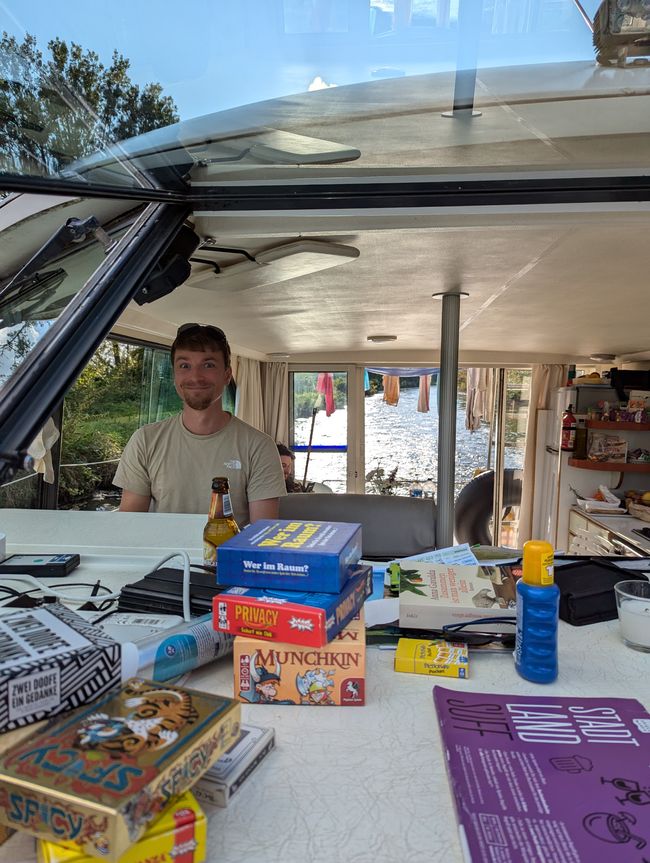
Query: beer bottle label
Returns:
{"type": "Point", "coordinates": [227, 506]}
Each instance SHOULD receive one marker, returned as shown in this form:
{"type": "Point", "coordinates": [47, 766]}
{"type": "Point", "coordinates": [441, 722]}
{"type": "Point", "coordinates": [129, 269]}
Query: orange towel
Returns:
{"type": "Point", "coordinates": [391, 389]}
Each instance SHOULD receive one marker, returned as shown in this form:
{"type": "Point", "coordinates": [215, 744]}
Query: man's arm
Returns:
{"type": "Point", "coordinates": [132, 502]}
{"type": "Point", "coordinates": [257, 509]}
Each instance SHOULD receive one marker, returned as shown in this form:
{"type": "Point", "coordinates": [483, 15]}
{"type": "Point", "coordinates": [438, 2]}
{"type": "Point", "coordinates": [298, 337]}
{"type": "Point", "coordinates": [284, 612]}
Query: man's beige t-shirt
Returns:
{"type": "Point", "coordinates": [165, 461]}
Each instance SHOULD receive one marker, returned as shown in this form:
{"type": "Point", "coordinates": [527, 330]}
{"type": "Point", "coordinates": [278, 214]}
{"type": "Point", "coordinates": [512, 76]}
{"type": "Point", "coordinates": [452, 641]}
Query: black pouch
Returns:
{"type": "Point", "coordinates": [587, 590]}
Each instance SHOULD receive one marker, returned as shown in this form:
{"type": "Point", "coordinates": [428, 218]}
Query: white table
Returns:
{"type": "Point", "coordinates": [364, 785]}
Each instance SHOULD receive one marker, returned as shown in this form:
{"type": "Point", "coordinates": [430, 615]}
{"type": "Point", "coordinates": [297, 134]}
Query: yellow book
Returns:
{"type": "Point", "coordinates": [439, 657]}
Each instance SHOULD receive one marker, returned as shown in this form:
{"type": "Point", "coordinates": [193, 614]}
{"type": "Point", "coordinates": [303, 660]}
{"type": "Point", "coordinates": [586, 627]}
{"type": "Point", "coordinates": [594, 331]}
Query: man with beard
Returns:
{"type": "Point", "coordinates": [171, 463]}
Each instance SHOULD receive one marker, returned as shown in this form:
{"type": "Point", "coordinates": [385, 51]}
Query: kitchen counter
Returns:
{"type": "Point", "coordinates": [616, 528]}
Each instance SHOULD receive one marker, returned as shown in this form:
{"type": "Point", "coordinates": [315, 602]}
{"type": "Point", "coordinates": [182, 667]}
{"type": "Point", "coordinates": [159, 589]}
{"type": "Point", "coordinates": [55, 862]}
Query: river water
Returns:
{"type": "Point", "coordinates": [397, 437]}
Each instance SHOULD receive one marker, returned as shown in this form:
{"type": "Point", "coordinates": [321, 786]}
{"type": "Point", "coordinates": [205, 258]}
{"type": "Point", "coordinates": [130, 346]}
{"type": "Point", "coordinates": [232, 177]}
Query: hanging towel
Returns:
{"type": "Point", "coordinates": [477, 398]}
{"type": "Point", "coordinates": [40, 450]}
{"type": "Point", "coordinates": [366, 380]}
{"type": "Point", "coordinates": [325, 386]}
{"type": "Point", "coordinates": [391, 389]}
{"type": "Point", "coordinates": [423, 394]}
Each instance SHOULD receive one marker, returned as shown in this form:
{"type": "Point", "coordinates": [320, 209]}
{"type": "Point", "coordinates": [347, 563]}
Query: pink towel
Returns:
{"type": "Point", "coordinates": [423, 395]}
{"type": "Point", "coordinates": [325, 385]}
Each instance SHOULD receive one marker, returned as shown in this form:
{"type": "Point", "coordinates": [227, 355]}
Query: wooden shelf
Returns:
{"type": "Point", "coordinates": [615, 466]}
{"type": "Point", "coordinates": [602, 424]}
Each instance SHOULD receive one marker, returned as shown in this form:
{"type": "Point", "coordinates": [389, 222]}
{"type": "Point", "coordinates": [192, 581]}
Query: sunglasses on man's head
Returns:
{"type": "Point", "coordinates": [185, 328]}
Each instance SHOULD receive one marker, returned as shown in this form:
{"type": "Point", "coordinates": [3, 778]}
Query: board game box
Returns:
{"type": "Point", "coordinates": [222, 781]}
{"type": "Point", "coordinates": [290, 555]}
{"type": "Point", "coordinates": [99, 775]}
{"type": "Point", "coordinates": [177, 836]}
{"type": "Point", "coordinates": [52, 660]}
{"type": "Point", "coordinates": [311, 619]}
{"type": "Point", "coordinates": [279, 673]}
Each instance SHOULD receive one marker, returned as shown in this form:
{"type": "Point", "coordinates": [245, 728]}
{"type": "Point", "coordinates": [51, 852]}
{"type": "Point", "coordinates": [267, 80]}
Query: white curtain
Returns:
{"type": "Point", "coordinates": [248, 402]}
{"type": "Point", "coordinates": [275, 395]}
{"type": "Point", "coordinates": [544, 382]}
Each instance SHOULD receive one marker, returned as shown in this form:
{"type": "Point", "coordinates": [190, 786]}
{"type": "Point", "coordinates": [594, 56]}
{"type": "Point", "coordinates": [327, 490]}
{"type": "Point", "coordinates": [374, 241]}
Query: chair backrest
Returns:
{"type": "Point", "coordinates": [391, 526]}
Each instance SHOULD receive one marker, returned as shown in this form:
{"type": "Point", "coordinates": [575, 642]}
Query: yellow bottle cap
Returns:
{"type": "Point", "coordinates": [538, 562]}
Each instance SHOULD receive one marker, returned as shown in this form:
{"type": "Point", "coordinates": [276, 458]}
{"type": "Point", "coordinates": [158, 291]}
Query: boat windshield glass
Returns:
{"type": "Point", "coordinates": [292, 87]}
{"type": "Point", "coordinates": [32, 297]}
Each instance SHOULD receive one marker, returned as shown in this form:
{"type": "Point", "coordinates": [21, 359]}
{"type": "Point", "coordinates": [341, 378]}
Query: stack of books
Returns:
{"type": "Point", "coordinates": [294, 600]}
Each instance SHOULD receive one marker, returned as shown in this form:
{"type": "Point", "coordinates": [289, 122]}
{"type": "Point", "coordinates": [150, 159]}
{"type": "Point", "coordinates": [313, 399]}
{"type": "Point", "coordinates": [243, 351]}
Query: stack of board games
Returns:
{"type": "Point", "coordinates": [98, 776]}
{"type": "Point", "coordinates": [298, 586]}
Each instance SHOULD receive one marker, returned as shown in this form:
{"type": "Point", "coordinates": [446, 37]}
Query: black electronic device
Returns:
{"type": "Point", "coordinates": [642, 531]}
{"type": "Point", "coordinates": [40, 565]}
{"type": "Point", "coordinates": [161, 591]}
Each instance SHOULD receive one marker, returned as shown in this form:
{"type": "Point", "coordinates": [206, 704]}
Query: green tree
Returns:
{"type": "Point", "coordinates": [56, 109]}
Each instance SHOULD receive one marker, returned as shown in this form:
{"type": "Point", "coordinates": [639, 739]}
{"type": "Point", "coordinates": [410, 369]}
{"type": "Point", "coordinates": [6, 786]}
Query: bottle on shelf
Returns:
{"type": "Point", "coordinates": [415, 489]}
{"type": "Point", "coordinates": [538, 599]}
{"type": "Point", "coordinates": [580, 449]}
{"type": "Point", "coordinates": [568, 439]}
{"type": "Point", "coordinates": [221, 524]}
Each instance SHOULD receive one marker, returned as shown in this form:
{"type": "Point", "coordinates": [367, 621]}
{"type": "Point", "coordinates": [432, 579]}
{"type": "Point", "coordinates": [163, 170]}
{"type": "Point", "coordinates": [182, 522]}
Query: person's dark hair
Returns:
{"type": "Point", "coordinates": [284, 450]}
{"type": "Point", "coordinates": [201, 337]}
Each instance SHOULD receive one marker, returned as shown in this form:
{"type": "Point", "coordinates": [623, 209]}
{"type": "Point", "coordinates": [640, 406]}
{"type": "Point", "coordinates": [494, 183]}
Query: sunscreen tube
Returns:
{"type": "Point", "coordinates": [175, 651]}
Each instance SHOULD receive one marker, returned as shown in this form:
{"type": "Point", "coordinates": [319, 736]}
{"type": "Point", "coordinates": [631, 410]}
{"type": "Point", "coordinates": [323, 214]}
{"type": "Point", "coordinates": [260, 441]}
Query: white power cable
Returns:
{"type": "Point", "coordinates": [22, 576]}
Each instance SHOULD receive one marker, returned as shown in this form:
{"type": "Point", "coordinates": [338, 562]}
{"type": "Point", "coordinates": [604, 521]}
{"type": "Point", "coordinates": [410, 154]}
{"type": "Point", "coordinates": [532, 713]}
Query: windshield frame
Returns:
{"type": "Point", "coordinates": [62, 353]}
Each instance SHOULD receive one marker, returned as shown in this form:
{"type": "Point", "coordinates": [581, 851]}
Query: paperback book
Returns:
{"type": "Point", "coordinates": [433, 595]}
{"type": "Point", "coordinates": [547, 778]}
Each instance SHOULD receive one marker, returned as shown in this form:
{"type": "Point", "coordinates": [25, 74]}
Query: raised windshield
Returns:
{"type": "Point", "coordinates": [334, 86]}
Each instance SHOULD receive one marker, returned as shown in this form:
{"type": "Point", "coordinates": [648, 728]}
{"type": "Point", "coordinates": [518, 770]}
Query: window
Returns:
{"type": "Point", "coordinates": [319, 427]}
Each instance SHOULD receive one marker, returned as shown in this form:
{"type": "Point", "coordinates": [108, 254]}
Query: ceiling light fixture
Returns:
{"type": "Point", "coordinates": [602, 358]}
{"type": "Point", "coordinates": [278, 356]}
{"type": "Point", "coordinates": [382, 338]}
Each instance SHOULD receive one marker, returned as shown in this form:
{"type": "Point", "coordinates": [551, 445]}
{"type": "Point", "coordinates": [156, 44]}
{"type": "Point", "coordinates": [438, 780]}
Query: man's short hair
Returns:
{"type": "Point", "coordinates": [284, 450]}
{"type": "Point", "coordinates": [201, 337]}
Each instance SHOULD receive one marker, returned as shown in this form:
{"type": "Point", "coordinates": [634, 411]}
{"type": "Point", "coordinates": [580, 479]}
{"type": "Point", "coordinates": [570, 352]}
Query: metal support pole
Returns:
{"type": "Point", "coordinates": [469, 31]}
{"type": "Point", "coordinates": [447, 388]}
{"type": "Point", "coordinates": [499, 456]}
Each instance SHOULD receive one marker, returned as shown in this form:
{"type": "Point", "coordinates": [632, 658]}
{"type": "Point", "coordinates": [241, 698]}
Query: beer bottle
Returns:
{"type": "Point", "coordinates": [221, 524]}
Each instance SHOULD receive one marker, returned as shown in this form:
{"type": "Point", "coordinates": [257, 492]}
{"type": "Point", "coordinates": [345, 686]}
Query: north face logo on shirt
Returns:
{"type": "Point", "coordinates": [233, 464]}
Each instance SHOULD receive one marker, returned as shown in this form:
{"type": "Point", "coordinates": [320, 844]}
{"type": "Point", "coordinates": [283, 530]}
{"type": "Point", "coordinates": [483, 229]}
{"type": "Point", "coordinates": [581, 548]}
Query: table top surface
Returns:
{"type": "Point", "coordinates": [363, 784]}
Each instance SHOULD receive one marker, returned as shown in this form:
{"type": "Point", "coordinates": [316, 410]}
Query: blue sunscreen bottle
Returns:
{"type": "Point", "coordinates": [538, 599]}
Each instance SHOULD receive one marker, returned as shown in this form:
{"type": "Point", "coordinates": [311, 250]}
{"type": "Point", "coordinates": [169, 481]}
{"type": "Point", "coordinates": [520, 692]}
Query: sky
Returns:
{"type": "Point", "coordinates": [209, 55]}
